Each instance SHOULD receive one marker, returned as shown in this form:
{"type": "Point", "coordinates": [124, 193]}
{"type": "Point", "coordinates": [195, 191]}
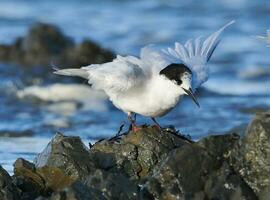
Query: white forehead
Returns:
{"type": "Point", "coordinates": [186, 75]}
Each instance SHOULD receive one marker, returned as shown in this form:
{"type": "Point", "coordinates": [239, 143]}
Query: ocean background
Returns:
{"type": "Point", "coordinates": [33, 107]}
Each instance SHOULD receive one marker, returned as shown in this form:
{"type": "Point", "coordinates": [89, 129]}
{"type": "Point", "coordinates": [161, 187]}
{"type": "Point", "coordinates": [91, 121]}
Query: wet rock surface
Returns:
{"type": "Point", "coordinates": [45, 44]}
{"type": "Point", "coordinates": [148, 164]}
{"type": "Point", "coordinates": [8, 191]}
{"type": "Point", "coordinates": [252, 158]}
{"type": "Point", "coordinates": [135, 154]}
{"type": "Point", "coordinates": [190, 172]}
{"type": "Point", "coordinates": [68, 154]}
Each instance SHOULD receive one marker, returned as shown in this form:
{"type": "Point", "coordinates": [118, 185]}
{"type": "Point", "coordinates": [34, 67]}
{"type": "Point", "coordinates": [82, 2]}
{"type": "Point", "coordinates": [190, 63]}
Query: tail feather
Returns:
{"type": "Point", "coordinates": [72, 72]}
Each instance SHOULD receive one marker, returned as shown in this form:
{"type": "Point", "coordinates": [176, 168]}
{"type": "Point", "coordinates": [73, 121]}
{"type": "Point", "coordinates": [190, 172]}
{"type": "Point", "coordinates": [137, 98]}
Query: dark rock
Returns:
{"type": "Point", "coordinates": [225, 184]}
{"type": "Point", "coordinates": [220, 146]}
{"type": "Point", "coordinates": [111, 166]}
{"type": "Point", "coordinates": [195, 172]}
{"type": "Point", "coordinates": [27, 179]}
{"type": "Point", "coordinates": [77, 191]}
{"type": "Point", "coordinates": [68, 154]}
{"type": "Point", "coordinates": [43, 44]}
{"type": "Point", "coordinates": [30, 183]}
{"type": "Point", "coordinates": [150, 164]}
{"type": "Point", "coordinates": [8, 191]}
{"type": "Point", "coordinates": [86, 53]}
{"type": "Point", "coordinates": [136, 153]}
{"type": "Point", "coordinates": [252, 157]}
{"type": "Point", "coordinates": [46, 44]}
{"type": "Point", "coordinates": [45, 39]}
{"type": "Point", "coordinates": [112, 185]}
{"type": "Point", "coordinates": [182, 174]}
{"type": "Point", "coordinates": [34, 182]}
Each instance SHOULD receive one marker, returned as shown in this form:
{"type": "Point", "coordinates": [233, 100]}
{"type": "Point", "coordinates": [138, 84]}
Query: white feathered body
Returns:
{"type": "Point", "coordinates": [155, 98]}
{"type": "Point", "coordinates": [134, 85]}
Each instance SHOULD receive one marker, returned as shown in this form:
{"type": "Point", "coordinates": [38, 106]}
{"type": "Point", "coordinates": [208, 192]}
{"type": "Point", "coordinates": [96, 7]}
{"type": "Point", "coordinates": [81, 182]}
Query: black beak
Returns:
{"type": "Point", "coordinates": [191, 94]}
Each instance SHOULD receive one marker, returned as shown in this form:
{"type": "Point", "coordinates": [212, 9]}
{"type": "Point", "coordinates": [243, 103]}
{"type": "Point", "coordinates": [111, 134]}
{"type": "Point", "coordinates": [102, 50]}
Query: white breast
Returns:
{"type": "Point", "coordinates": [153, 99]}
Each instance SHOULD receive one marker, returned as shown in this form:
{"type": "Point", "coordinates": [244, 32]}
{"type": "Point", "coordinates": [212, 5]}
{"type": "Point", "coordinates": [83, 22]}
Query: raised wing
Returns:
{"type": "Point", "coordinates": [120, 75]}
{"type": "Point", "coordinates": [155, 59]}
{"type": "Point", "coordinates": [196, 53]}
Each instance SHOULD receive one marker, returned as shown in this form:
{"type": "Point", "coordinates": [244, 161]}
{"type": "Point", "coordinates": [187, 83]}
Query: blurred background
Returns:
{"type": "Point", "coordinates": [37, 34]}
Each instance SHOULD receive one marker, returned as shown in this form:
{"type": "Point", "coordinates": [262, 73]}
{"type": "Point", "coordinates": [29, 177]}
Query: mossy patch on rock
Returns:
{"type": "Point", "coordinates": [39, 181]}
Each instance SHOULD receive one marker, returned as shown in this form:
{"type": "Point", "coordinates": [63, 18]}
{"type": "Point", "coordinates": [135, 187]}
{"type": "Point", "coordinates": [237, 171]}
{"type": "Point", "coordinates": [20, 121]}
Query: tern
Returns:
{"type": "Point", "coordinates": [153, 84]}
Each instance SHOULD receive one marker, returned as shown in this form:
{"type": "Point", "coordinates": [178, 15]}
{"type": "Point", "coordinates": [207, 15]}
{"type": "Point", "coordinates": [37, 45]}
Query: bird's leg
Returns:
{"type": "Point", "coordinates": [120, 129]}
{"type": "Point", "coordinates": [156, 124]}
{"type": "Point", "coordinates": [134, 127]}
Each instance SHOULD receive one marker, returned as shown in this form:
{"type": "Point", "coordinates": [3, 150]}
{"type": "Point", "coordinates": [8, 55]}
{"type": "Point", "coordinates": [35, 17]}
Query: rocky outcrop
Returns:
{"type": "Point", "coordinates": [135, 154]}
{"type": "Point", "coordinates": [148, 164]}
{"type": "Point", "coordinates": [8, 191]}
{"type": "Point", "coordinates": [49, 183]}
{"type": "Point", "coordinates": [68, 154]}
{"type": "Point", "coordinates": [192, 172]}
{"type": "Point", "coordinates": [252, 157]}
{"type": "Point", "coordinates": [45, 45]}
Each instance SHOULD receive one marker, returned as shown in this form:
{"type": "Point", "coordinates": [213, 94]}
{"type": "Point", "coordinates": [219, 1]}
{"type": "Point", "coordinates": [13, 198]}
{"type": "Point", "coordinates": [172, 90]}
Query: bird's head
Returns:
{"type": "Point", "coordinates": [181, 75]}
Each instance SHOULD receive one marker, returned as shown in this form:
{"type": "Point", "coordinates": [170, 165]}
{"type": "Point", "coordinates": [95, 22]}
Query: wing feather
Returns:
{"type": "Point", "coordinates": [155, 59]}
{"type": "Point", "coordinates": [120, 75]}
{"type": "Point", "coordinates": [180, 49]}
{"type": "Point", "coordinates": [196, 53]}
{"type": "Point", "coordinates": [197, 45]}
{"type": "Point", "coordinates": [190, 48]}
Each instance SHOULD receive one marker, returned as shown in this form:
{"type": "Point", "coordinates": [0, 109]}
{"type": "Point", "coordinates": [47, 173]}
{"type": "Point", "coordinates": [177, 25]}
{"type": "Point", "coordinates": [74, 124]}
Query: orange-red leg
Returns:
{"type": "Point", "coordinates": [132, 121]}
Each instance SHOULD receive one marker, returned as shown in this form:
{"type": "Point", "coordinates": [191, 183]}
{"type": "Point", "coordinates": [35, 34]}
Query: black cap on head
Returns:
{"type": "Point", "coordinates": [175, 71]}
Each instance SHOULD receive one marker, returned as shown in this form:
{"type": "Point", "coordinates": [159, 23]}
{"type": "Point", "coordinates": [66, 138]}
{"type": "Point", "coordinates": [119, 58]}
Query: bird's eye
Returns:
{"type": "Point", "coordinates": [179, 82]}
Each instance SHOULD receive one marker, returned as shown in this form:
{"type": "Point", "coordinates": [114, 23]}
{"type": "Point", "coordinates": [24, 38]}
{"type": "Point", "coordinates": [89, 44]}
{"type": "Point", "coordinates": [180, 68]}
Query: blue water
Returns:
{"type": "Point", "coordinates": [240, 67]}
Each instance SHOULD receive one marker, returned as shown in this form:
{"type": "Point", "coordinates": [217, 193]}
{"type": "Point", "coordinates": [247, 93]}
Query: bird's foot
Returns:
{"type": "Point", "coordinates": [135, 128]}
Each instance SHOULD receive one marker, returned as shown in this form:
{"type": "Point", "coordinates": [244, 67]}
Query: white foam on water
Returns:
{"type": "Point", "coordinates": [238, 87]}
{"type": "Point", "coordinates": [63, 108]}
{"type": "Point", "coordinates": [59, 94]}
